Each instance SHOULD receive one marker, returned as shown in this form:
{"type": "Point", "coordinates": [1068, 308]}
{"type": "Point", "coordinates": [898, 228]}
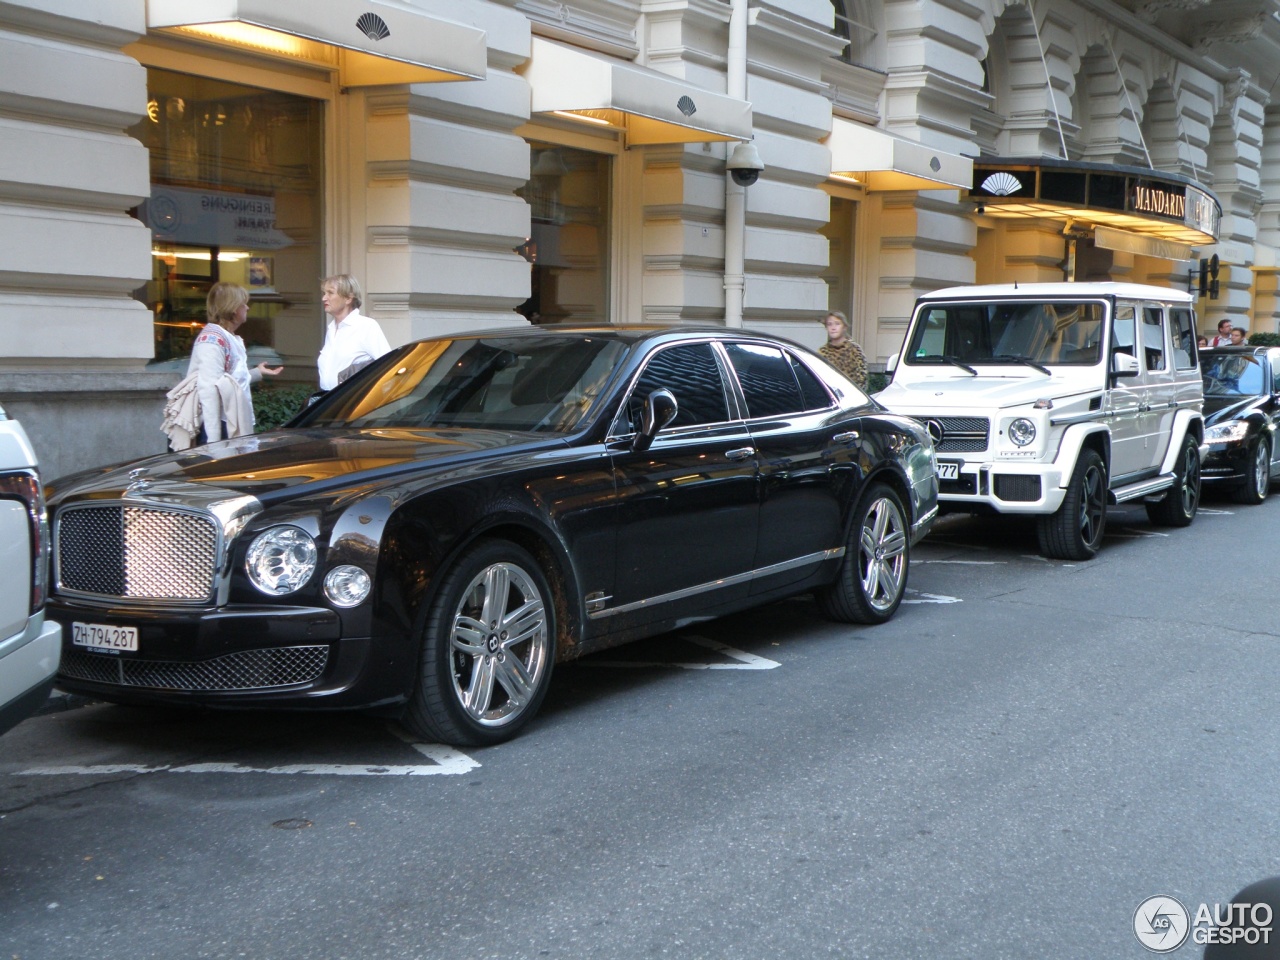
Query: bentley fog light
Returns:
{"type": "Point", "coordinates": [1227, 432]}
{"type": "Point", "coordinates": [1022, 431]}
{"type": "Point", "coordinates": [281, 560]}
{"type": "Point", "coordinates": [347, 585]}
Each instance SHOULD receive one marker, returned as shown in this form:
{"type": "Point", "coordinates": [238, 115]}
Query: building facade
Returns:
{"type": "Point", "coordinates": [480, 163]}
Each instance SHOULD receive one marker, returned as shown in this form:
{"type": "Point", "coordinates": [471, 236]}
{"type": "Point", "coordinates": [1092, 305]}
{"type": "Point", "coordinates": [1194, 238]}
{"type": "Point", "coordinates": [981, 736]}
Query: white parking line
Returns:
{"type": "Point", "coordinates": [1216, 513]}
{"type": "Point", "coordinates": [743, 660]}
{"type": "Point", "coordinates": [447, 762]}
{"type": "Point", "coordinates": [931, 598]}
{"type": "Point", "coordinates": [967, 563]}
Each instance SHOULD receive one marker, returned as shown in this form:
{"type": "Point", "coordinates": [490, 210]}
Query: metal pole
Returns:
{"type": "Point", "coordinates": [735, 196]}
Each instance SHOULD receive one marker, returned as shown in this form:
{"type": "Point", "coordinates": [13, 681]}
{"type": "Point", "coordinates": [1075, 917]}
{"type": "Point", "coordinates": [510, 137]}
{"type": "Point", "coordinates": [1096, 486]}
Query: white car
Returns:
{"type": "Point", "coordinates": [30, 646]}
{"type": "Point", "coordinates": [1055, 400]}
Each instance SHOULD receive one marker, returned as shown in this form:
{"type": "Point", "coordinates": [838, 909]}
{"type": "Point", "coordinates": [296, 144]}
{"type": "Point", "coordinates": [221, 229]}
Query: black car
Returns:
{"type": "Point", "coordinates": [1241, 386]}
{"type": "Point", "coordinates": [428, 539]}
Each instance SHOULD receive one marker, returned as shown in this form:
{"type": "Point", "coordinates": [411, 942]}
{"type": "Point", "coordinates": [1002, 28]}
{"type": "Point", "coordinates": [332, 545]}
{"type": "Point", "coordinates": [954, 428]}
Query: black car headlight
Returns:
{"type": "Point", "coordinates": [281, 560]}
{"type": "Point", "coordinates": [1229, 432]}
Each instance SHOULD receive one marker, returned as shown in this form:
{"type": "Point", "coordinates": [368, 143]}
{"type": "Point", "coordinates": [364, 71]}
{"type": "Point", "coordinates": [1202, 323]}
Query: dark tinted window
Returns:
{"type": "Point", "coordinates": [691, 372]}
{"type": "Point", "coordinates": [814, 393]}
{"type": "Point", "coordinates": [767, 380]}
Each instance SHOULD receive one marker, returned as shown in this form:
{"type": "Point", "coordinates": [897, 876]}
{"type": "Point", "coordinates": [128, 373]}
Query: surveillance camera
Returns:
{"type": "Point", "coordinates": [744, 164]}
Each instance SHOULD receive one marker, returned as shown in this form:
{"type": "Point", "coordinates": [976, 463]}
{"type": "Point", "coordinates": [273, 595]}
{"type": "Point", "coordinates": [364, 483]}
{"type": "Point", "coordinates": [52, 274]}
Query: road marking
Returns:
{"type": "Point", "coordinates": [1216, 513]}
{"type": "Point", "coordinates": [932, 598]}
{"type": "Point", "coordinates": [1125, 533]}
{"type": "Point", "coordinates": [447, 762]}
{"type": "Point", "coordinates": [968, 563]}
{"type": "Point", "coordinates": [742, 659]}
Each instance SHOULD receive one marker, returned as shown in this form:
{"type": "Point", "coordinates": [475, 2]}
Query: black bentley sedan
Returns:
{"type": "Point", "coordinates": [431, 537]}
{"type": "Point", "coordinates": [1241, 386]}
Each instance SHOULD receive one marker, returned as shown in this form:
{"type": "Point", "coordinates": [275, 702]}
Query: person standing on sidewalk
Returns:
{"type": "Point", "coordinates": [841, 352]}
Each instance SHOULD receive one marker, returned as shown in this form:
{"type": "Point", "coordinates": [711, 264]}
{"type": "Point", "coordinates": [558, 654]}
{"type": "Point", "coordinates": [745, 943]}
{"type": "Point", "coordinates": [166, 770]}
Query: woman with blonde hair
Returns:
{"type": "Point", "coordinates": [351, 340]}
{"type": "Point", "coordinates": [841, 352]}
{"type": "Point", "coordinates": [215, 395]}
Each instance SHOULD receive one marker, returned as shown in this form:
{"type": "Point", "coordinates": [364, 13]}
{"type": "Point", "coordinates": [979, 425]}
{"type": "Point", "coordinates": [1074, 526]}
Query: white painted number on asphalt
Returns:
{"type": "Point", "coordinates": [922, 597]}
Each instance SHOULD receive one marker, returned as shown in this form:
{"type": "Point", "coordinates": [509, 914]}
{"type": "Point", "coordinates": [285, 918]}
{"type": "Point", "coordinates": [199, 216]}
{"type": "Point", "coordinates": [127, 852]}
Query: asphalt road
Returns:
{"type": "Point", "coordinates": [1028, 751]}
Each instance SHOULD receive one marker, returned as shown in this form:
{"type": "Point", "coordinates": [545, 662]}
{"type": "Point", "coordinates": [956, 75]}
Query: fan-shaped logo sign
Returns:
{"type": "Point", "coordinates": [686, 106]}
{"type": "Point", "coordinates": [1002, 184]}
{"type": "Point", "coordinates": [373, 27]}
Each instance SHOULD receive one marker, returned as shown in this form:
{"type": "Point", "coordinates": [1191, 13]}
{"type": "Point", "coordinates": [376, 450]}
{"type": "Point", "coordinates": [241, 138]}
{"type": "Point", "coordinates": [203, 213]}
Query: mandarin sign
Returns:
{"type": "Point", "coordinates": [1159, 201]}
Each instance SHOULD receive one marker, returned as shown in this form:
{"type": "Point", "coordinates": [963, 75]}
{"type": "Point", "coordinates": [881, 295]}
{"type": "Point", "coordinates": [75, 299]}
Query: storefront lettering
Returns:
{"type": "Point", "coordinates": [1162, 203]}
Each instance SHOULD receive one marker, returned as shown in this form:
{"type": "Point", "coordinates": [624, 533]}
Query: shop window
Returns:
{"type": "Point", "coordinates": [568, 245]}
{"type": "Point", "coordinates": [236, 195]}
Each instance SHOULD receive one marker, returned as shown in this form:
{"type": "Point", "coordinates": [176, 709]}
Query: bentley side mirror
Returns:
{"type": "Point", "coordinates": [660, 408]}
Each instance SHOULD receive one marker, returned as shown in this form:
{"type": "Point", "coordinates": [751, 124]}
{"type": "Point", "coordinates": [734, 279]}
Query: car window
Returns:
{"type": "Point", "coordinates": [767, 380]}
{"type": "Point", "coordinates": [1124, 332]}
{"type": "Point", "coordinates": [814, 393]}
{"type": "Point", "coordinates": [519, 383]}
{"type": "Point", "coordinates": [1233, 375]}
{"type": "Point", "coordinates": [1185, 354]}
{"type": "Point", "coordinates": [691, 372]}
{"type": "Point", "coordinates": [1008, 332]}
{"type": "Point", "coordinates": [1153, 337]}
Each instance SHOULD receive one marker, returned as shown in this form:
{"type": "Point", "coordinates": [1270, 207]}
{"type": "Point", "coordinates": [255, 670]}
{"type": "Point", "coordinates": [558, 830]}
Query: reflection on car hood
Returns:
{"type": "Point", "coordinates": [272, 464]}
{"type": "Point", "coordinates": [1221, 409]}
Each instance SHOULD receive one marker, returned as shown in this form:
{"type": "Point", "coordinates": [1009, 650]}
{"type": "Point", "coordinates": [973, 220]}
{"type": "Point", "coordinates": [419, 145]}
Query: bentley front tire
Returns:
{"type": "Point", "coordinates": [488, 649]}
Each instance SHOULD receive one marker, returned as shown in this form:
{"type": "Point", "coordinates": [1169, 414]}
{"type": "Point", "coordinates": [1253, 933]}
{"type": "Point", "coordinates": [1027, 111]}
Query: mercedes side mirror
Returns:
{"type": "Point", "coordinates": [1124, 365]}
{"type": "Point", "coordinates": [660, 408]}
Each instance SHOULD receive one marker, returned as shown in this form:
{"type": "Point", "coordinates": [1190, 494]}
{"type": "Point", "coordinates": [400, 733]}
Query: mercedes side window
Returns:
{"type": "Point", "coordinates": [1124, 331]}
{"type": "Point", "coordinates": [692, 373]}
{"type": "Point", "coordinates": [1185, 354]}
{"type": "Point", "coordinates": [767, 380]}
{"type": "Point", "coordinates": [1153, 337]}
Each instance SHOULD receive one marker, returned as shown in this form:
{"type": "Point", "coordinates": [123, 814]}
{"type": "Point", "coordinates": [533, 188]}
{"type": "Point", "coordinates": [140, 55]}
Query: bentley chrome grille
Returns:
{"type": "Point", "coordinates": [119, 550]}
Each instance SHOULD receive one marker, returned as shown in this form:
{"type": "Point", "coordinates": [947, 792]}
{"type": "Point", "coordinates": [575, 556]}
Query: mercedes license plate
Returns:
{"type": "Point", "coordinates": [948, 470]}
{"type": "Point", "coordinates": [100, 636]}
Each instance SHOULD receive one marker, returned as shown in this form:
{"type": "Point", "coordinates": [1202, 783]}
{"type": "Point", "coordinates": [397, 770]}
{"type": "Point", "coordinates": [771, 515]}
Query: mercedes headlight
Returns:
{"type": "Point", "coordinates": [1022, 431]}
{"type": "Point", "coordinates": [281, 560]}
{"type": "Point", "coordinates": [1227, 432]}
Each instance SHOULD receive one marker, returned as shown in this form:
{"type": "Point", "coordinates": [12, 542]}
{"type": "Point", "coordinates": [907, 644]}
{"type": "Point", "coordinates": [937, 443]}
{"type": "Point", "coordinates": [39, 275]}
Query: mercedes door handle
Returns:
{"type": "Point", "coordinates": [741, 453]}
{"type": "Point", "coordinates": [847, 437]}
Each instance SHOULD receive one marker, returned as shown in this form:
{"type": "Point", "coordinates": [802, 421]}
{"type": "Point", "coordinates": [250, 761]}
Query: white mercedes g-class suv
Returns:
{"type": "Point", "coordinates": [1057, 399]}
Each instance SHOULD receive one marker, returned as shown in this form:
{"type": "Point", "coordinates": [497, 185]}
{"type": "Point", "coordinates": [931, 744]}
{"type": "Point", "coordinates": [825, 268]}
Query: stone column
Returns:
{"type": "Point", "coordinates": [71, 256]}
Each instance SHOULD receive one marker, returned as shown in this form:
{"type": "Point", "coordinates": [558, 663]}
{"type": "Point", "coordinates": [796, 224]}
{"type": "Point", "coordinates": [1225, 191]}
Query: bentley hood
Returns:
{"type": "Point", "coordinates": [294, 462]}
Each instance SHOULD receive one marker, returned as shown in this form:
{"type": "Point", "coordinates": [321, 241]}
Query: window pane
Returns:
{"type": "Point", "coordinates": [767, 380]}
{"type": "Point", "coordinates": [689, 371]}
{"type": "Point", "coordinates": [1185, 354]}
{"type": "Point", "coordinates": [814, 393]}
{"type": "Point", "coordinates": [236, 195]}
{"type": "Point", "coordinates": [1153, 337]}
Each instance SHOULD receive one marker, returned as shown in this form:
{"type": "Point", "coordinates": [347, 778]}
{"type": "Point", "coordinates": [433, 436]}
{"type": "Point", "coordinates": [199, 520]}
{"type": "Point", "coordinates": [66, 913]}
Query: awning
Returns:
{"type": "Point", "coordinates": [650, 106]}
{"type": "Point", "coordinates": [375, 43]}
{"type": "Point", "coordinates": [882, 161]}
{"type": "Point", "coordinates": [1141, 202]}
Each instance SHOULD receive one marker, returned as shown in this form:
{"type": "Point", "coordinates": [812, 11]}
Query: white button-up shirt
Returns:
{"type": "Point", "coordinates": [357, 339]}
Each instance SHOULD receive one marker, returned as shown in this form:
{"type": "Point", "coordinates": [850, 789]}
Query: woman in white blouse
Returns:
{"type": "Point", "coordinates": [350, 339]}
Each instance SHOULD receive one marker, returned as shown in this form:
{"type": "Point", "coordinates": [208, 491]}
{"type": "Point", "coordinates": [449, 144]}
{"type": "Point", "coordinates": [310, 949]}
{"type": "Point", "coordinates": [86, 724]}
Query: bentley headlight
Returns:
{"type": "Point", "coordinates": [281, 560]}
{"type": "Point", "coordinates": [1022, 431]}
{"type": "Point", "coordinates": [347, 585]}
{"type": "Point", "coordinates": [1227, 432]}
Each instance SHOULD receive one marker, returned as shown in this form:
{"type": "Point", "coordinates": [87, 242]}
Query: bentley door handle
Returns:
{"type": "Point", "coordinates": [847, 437]}
{"type": "Point", "coordinates": [740, 453]}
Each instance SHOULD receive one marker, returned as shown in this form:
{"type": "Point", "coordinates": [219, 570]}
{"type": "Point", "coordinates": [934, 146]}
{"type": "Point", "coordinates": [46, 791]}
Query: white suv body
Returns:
{"type": "Point", "coordinates": [30, 646]}
{"type": "Point", "coordinates": [1056, 400]}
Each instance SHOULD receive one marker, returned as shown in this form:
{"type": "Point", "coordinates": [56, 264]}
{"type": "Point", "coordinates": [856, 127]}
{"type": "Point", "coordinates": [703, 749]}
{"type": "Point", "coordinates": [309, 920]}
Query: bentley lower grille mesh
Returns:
{"type": "Point", "coordinates": [136, 552]}
{"type": "Point", "coordinates": [246, 670]}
